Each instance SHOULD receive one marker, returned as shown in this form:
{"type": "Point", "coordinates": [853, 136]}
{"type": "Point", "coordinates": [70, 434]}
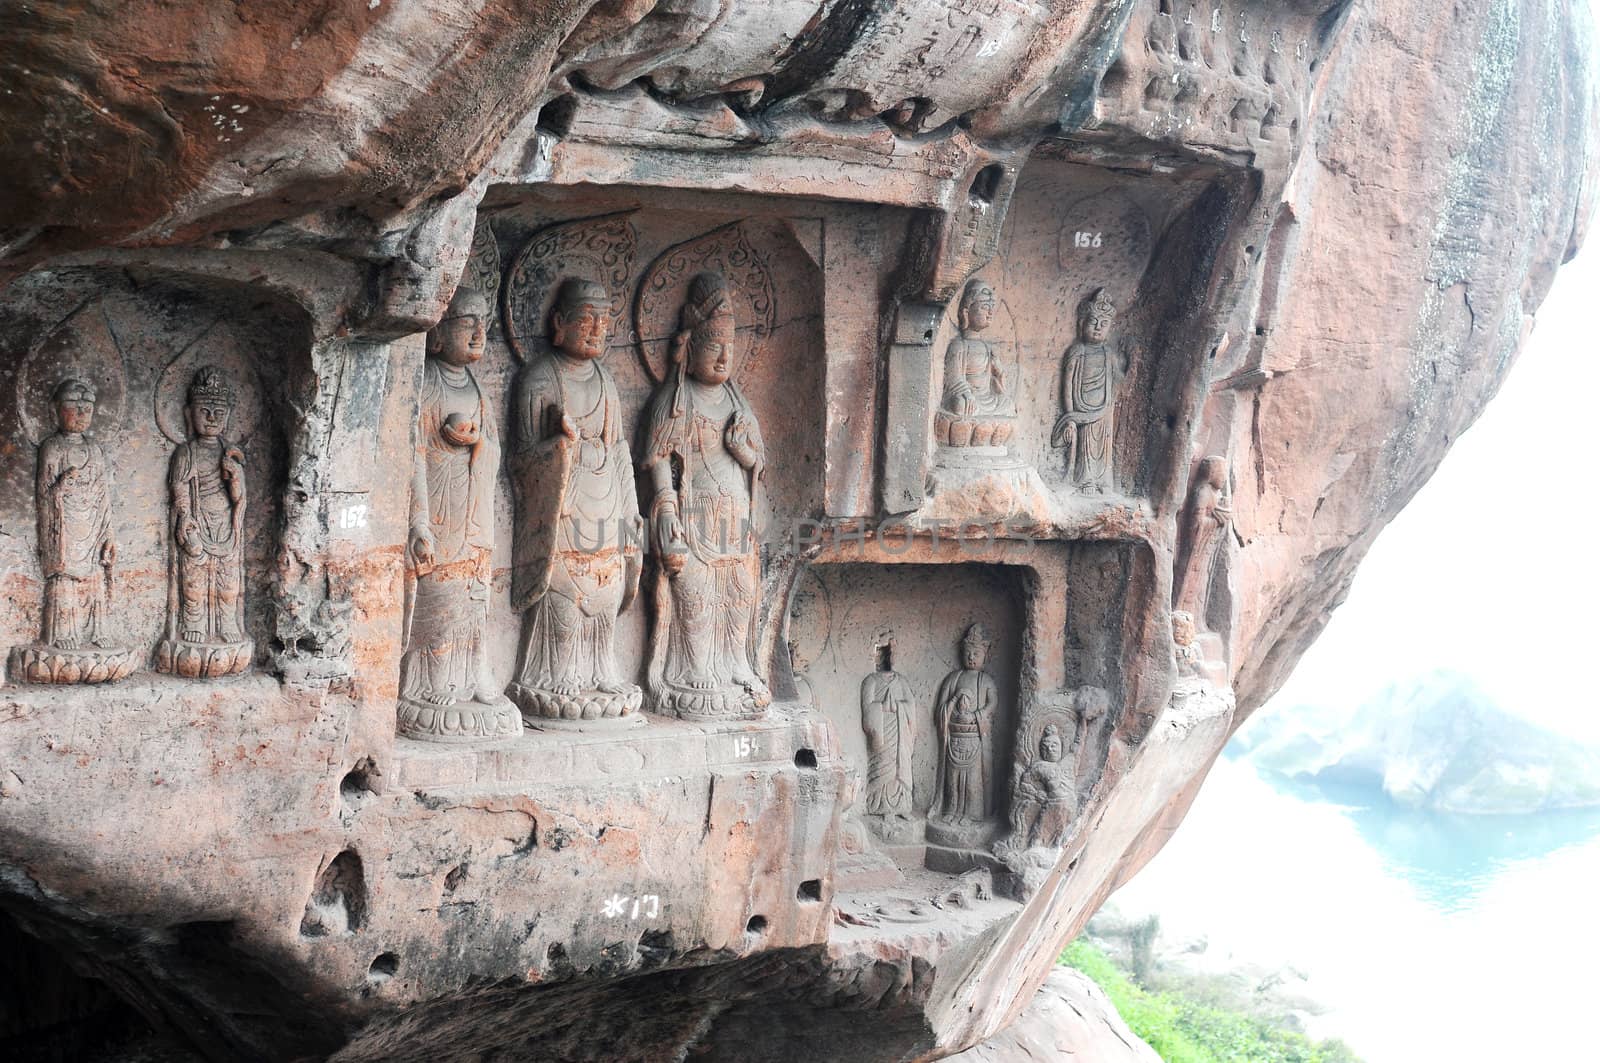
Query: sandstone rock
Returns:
{"type": "Point", "coordinates": [1069, 1018]}
{"type": "Point", "coordinates": [1108, 333]}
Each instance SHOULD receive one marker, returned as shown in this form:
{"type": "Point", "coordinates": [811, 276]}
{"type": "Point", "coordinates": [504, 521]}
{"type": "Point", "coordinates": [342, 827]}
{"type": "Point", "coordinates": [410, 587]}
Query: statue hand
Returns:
{"type": "Point", "coordinates": [740, 441]}
{"type": "Point", "coordinates": [670, 541]}
{"type": "Point", "coordinates": [422, 549]}
{"type": "Point", "coordinates": [189, 537]}
{"type": "Point", "coordinates": [69, 474]}
{"type": "Point", "coordinates": [459, 432]}
{"type": "Point", "coordinates": [960, 402]}
{"type": "Point", "coordinates": [567, 428]}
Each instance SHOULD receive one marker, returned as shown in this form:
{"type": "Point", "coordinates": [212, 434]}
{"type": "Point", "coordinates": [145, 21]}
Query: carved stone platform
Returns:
{"type": "Point", "coordinates": [464, 721]}
{"type": "Point", "coordinates": [710, 706]}
{"type": "Point", "coordinates": [588, 707]}
{"type": "Point", "coordinates": [39, 663]}
{"type": "Point", "coordinates": [982, 482]}
{"type": "Point", "coordinates": [195, 660]}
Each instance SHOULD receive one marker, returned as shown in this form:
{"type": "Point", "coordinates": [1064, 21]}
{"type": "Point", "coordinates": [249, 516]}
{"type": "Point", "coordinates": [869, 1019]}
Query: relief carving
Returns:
{"type": "Point", "coordinates": [446, 692]}
{"type": "Point", "coordinates": [887, 707]}
{"type": "Point", "coordinates": [1094, 369]}
{"type": "Point", "coordinates": [1205, 522]}
{"type": "Point", "coordinates": [977, 409]}
{"type": "Point", "coordinates": [1045, 799]}
{"type": "Point", "coordinates": [77, 553]}
{"type": "Point", "coordinates": [963, 712]}
{"type": "Point", "coordinates": [702, 457]}
{"type": "Point", "coordinates": [578, 531]}
{"type": "Point", "coordinates": [205, 588]}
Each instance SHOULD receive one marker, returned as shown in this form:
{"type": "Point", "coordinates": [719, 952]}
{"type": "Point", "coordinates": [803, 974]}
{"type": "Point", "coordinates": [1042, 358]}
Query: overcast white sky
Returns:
{"type": "Point", "coordinates": [1492, 568]}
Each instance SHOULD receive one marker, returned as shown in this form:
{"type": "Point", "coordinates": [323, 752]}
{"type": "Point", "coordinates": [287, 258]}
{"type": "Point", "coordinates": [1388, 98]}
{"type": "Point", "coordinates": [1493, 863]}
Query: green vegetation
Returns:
{"type": "Point", "coordinates": [1183, 1030]}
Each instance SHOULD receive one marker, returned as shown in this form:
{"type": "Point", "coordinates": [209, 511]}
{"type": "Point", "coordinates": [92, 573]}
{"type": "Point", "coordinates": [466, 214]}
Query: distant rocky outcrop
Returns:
{"type": "Point", "coordinates": [1436, 742]}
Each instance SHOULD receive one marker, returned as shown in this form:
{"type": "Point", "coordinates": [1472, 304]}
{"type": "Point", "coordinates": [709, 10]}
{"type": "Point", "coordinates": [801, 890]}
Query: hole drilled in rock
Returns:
{"type": "Point", "coordinates": [756, 925]}
{"type": "Point", "coordinates": [986, 185]}
{"type": "Point", "coordinates": [455, 877]}
{"type": "Point", "coordinates": [359, 781]}
{"type": "Point", "coordinates": [384, 967]}
{"type": "Point", "coordinates": [805, 758]}
{"type": "Point", "coordinates": [338, 903]}
{"type": "Point", "coordinates": [810, 890]}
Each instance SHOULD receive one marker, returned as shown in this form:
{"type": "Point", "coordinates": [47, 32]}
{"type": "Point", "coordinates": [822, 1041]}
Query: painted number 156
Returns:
{"type": "Point", "coordinates": [1083, 239]}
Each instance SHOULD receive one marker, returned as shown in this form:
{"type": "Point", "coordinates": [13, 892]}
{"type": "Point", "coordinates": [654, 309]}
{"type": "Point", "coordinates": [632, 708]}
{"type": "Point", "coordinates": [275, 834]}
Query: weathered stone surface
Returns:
{"type": "Point", "coordinates": [1068, 1019]}
{"type": "Point", "coordinates": [1323, 228]}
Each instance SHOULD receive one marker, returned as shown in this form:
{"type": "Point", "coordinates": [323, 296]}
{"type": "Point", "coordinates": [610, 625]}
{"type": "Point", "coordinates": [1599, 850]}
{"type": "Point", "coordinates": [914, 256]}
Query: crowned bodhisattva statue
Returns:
{"type": "Point", "coordinates": [703, 457]}
{"type": "Point", "coordinates": [205, 589]}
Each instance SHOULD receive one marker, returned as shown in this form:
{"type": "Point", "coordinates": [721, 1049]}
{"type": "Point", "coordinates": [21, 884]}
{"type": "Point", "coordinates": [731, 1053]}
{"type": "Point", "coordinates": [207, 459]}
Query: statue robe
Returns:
{"type": "Point", "coordinates": [886, 708]}
{"type": "Point", "coordinates": [576, 545]}
{"type": "Point", "coordinates": [207, 583]}
{"type": "Point", "coordinates": [74, 521]}
{"type": "Point", "coordinates": [963, 708]}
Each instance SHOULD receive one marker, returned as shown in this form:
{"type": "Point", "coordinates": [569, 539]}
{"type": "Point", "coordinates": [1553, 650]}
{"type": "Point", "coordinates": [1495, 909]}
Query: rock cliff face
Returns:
{"type": "Point", "coordinates": [995, 397]}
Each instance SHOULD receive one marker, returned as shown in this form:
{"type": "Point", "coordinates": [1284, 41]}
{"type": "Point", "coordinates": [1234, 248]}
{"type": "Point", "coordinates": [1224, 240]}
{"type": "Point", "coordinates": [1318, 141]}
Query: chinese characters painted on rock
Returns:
{"type": "Point", "coordinates": [77, 552]}
{"type": "Point", "coordinates": [578, 534]}
{"type": "Point", "coordinates": [446, 692]}
{"type": "Point", "coordinates": [703, 457]}
{"type": "Point", "coordinates": [1094, 369]}
{"type": "Point", "coordinates": [205, 589]}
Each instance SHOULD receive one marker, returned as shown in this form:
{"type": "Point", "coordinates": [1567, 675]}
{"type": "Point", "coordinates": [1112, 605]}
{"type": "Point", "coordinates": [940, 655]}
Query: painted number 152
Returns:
{"type": "Point", "coordinates": [1083, 239]}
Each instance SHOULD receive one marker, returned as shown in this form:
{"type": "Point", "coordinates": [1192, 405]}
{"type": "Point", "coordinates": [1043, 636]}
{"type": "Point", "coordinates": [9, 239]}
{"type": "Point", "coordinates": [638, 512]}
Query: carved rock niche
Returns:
{"type": "Point", "coordinates": [645, 259]}
{"type": "Point", "coordinates": [140, 349]}
{"type": "Point", "coordinates": [876, 644]}
{"type": "Point", "coordinates": [1137, 240]}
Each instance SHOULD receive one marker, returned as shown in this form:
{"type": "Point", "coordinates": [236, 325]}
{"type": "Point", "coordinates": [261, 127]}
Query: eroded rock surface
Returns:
{"type": "Point", "coordinates": [700, 529]}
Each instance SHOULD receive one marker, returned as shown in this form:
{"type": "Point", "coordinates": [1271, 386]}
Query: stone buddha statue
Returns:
{"type": "Point", "coordinates": [1094, 369]}
{"type": "Point", "coordinates": [446, 692]}
{"type": "Point", "coordinates": [976, 410]}
{"type": "Point", "coordinates": [578, 535]}
{"type": "Point", "coordinates": [77, 552]}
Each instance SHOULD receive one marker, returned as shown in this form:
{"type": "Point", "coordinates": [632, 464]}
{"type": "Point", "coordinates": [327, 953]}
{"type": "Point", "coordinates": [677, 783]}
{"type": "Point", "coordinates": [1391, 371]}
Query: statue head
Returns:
{"type": "Point", "coordinates": [1050, 745]}
{"type": "Point", "coordinates": [1096, 316]}
{"type": "Point", "coordinates": [706, 327]}
{"type": "Point", "coordinates": [977, 306]}
{"type": "Point", "coordinates": [974, 647]}
{"type": "Point", "coordinates": [1213, 471]}
{"type": "Point", "coordinates": [458, 338]}
{"type": "Point", "coordinates": [74, 402]}
{"type": "Point", "coordinates": [581, 318]}
{"type": "Point", "coordinates": [210, 402]}
{"type": "Point", "coordinates": [1183, 628]}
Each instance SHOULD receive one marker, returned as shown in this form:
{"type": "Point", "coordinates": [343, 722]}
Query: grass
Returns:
{"type": "Point", "coordinates": [1183, 1030]}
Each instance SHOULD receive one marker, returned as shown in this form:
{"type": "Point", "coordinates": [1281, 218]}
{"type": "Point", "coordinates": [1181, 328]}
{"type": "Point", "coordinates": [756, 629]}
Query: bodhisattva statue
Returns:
{"type": "Point", "coordinates": [1094, 369]}
{"type": "Point", "coordinates": [886, 719]}
{"type": "Point", "coordinates": [1205, 520]}
{"type": "Point", "coordinates": [77, 553]}
{"type": "Point", "coordinates": [703, 456]}
{"type": "Point", "coordinates": [1046, 796]}
{"type": "Point", "coordinates": [446, 692]}
{"type": "Point", "coordinates": [205, 589]}
{"type": "Point", "coordinates": [964, 709]}
{"type": "Point", "coordinates": [976, 410]}
{"type": "Point", "coordinates": [578, 535]}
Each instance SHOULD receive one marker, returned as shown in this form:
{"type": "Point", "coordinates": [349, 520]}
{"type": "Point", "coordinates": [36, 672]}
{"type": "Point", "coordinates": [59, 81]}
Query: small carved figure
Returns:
{"type": "Point", "coordinates": [1205, 521]}
{"type": "Point", "coordinates": [205, 596]}
{"type": "Point", "coordinates": [1046, 797]}
{"type": "Point", "coordinates": [446, 693]}
{"type": "Point", "coordinates": [964, 710]}
{"type": "Point", "coordinates": [704, 456]}
{"type": "Point", "coordinates": [77, 552]}
{"type": "Point", "coordinates": [578, 533]}
{"type": "Point", "coordinates": [1093, 371]}
{"type": "Point", "coordinates": [976, 410]}
{"type": "Point", "coordinates": [886, 708]}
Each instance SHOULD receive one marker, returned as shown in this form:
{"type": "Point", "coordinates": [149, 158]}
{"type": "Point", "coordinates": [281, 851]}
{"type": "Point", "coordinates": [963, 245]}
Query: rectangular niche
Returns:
{"type": "Point", "coordinates": [851, 620]}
